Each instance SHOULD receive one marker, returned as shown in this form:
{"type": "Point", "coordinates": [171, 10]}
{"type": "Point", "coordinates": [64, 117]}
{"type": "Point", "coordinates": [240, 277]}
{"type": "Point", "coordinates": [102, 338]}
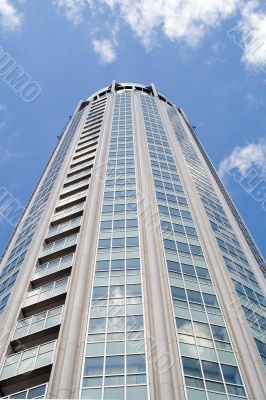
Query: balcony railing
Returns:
{"type": "Point", "coordinates": [75, 186]}
{"type": "Point", "coordinates": [70, 199]}
{"type": "Point", "coordinates": [38, 322]}
{"type": "Point", "coordinates": [78, 175]}
{"type": "Point", "coordinates": [36, 392]}
{"type": "Point", "coordinates": [86, 165]}
{"type": "Point", "coordinates": [80, 161]}
{"type": "Point", "coordinates": [53, 266]}
{"type": "Point", "coordinates": [28, 360]}
{"type": "Point", "coordinates": [65, 226]}
{"type": "Point", "coordinates": [59, 245]}
{"type": "Point", "coordinates": [47, 291]}
{"type": "Point", "coordinates": [68, 211]}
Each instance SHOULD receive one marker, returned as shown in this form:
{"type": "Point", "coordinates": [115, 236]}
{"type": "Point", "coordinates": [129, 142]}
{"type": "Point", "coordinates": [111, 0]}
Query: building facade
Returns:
{"type": "Point", "coordinates": [131, 274]}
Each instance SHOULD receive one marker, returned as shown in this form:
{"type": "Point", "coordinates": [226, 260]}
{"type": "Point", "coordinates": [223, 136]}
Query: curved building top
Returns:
{"type": "Point", "coordinates": [117, 87]}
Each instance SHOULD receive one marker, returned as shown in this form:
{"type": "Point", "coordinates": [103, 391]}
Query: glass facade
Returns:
{"type": "Point", "coordinates": [250, 294]}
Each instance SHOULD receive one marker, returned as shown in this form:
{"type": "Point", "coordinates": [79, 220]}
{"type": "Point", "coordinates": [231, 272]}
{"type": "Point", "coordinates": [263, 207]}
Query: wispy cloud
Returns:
{"type": "Point", "coordinates": [10, 18]}
{"type": "Point", "coordinates": [73, 9]}
{"type": "Point", "coordinates": [244, 158]}
{"type": "Point", "coordinates": [106, 50]}
{"type": "Point", "coordinates": [2, 107]}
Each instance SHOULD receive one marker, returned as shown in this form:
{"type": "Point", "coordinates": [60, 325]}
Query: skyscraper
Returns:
{"type": "Point", "coordinates": [131, 274]}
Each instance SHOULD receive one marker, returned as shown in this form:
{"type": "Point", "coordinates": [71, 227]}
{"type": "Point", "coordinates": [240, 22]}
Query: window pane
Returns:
{"type": "Point", "coordinates": [210, 300]}
{"type": "Point", "coordinates": [211, 371]}
{"type": "Point", "coordinates": [36, 392]}
{"type": "Point", "coordinates": [137, 392]}
{"type": "Point", "coordinates": [136, 363]}
{"type": "Point", "coordinates": [191, 366]}
{"type": "Point", "coordinates": [178, 293]}
{"type": "Point", "coordinates": [135, 322]}
{"type": "Point", "coordinates": [219, 333]}
{"type": "Point", "coordinates": [97, 325]}
{"type": "Point", "coordinates": [114, 393]}
{"type": "Point", "coordinates": [184, 326]}
{"type": "Point", "coordinates": [194, 296]}
{"type": "Point", "coordinates": [231, 374]}
{"type": "Point", "coordinates": [202, 330]}
{"type": "Point", "coordinates": [115, 365]}
{"type": "Point", "coordinates": [93, 366]}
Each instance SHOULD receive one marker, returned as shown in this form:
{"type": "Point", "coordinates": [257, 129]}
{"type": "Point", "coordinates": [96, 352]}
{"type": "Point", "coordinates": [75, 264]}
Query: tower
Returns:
{"type": "Point", "coordinates": [131, 274]}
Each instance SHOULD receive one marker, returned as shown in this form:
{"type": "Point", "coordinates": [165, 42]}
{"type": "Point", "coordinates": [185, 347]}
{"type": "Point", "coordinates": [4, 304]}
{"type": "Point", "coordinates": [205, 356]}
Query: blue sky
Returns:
{"type": "Point", "coordinates": [210, 60]}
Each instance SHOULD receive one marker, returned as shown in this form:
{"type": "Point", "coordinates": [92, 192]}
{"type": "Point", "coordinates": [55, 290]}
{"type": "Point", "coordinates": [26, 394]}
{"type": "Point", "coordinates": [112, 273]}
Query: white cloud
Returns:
{"type": "Point", "coordinates": [177, 19]}
{"type": "Point", "coordinates": [183, 20]}
{"type": "Point", "coordinates": [2, 107]}
{"type": "Point", "coordinates": [250, 35]}
{"type": "Point", "coordinates": [244, 158]}
{"type": "Point", "coordinates": [106, 50]}
{"type": "Point", "coordinates": [253, 29]}
{"type": "Point", "coordinates": [73, 9]}
{"type": "Point", "coordinates": [10, 17]}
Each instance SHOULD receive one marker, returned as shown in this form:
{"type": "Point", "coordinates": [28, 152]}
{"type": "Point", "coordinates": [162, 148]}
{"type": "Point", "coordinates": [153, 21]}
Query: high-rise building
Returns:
{"type": "Point", "coordinates": [131, 274]}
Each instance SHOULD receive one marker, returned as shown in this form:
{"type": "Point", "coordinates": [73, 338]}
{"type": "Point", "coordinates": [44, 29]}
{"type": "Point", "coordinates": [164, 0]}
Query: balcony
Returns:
{"type": "Point", "coordinates": [78, 175]}
{"type": "Point", "coordinates": [80, 168]}
{"type": "Point", "coordinates": [87, 145]}
{"type": "Point", "coordinates": [58, 245]}
{"type": "Point", "coordinates": [85, 153]}
{"type": "Point", "coordinates": [77, 180]}
{"type": "Point", "coordinates": [86, 140]}
{"type": "Point", "coordinates": [90, 133]}
{"type": "Point", "coordinates": [71, 200]}
{"type": "Point", "coordinates": [82, 160]}
{"type": "Point", "coordinates": [53, 268]}
{"type": "Point", "coordinates": [74, 189]}
{"type": "Point", "coordinates": [45, 295]}
{"type": "Point", "coordinates": [75, 210]}
{"type": "Point", "coordinates": [71, 226]}
{"type": "Point", "coordinates": [26, 361]}
{"type": "Point", "coordinates": [38, 323]}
